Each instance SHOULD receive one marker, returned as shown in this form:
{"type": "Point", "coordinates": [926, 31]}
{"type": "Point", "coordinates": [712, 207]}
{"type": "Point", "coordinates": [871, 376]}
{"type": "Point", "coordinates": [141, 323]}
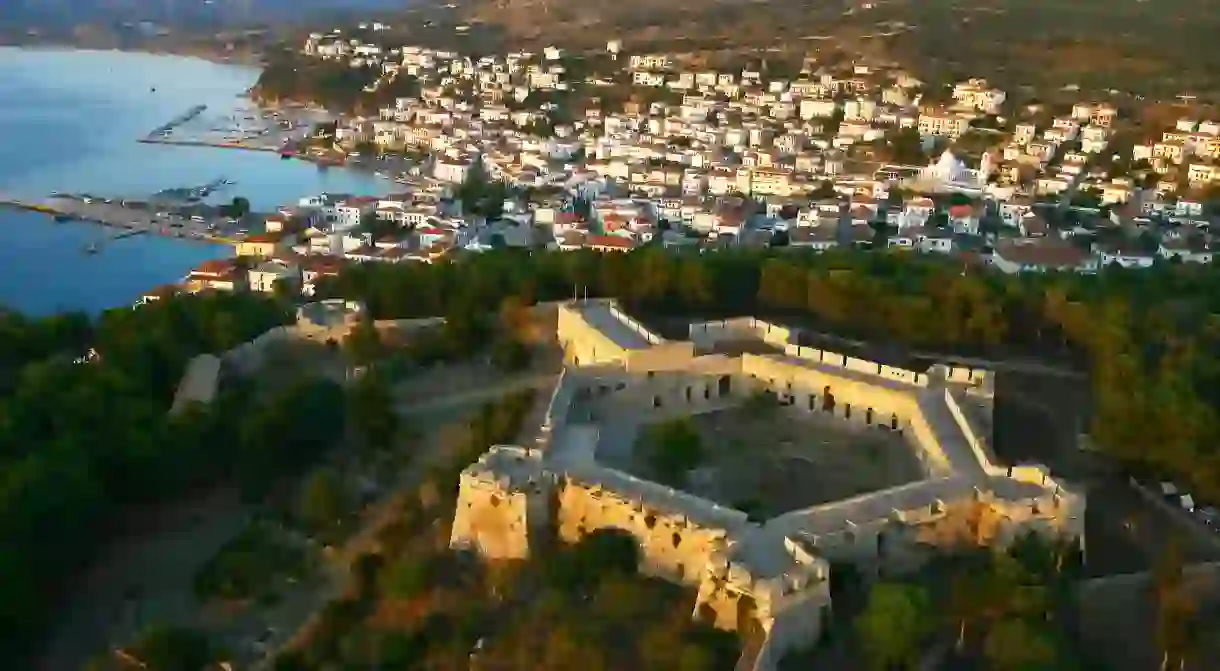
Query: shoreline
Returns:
{"type": "Point", "coordinates": [254, 61]}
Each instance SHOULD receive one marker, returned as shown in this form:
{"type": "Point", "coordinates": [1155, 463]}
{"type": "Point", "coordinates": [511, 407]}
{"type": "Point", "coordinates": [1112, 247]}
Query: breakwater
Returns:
{"type": "Point", "coordinates": [186, 116]}
{"type": "Point", "coordinates": [131, 221]}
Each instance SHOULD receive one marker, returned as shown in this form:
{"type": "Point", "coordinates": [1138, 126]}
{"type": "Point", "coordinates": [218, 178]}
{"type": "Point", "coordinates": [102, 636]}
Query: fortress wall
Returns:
{"type": "Point", "coordinates": [828, 358]}
{"type": "Point", "coordinates": [803, 384]}
{"type": "Point", "coordinates": [977, 447]}
{"type": "Point", "coordinates": [928, 448]}
{"type": "Point", "coordinates": [773, 334]}
{"type": "Point", "coordinates": [668, 356]}
{"type": "Point", "coordinates": [961, 374]}
{"type": "Point", "coordinates": [634, 325]}
{"type": "Point", "coordinates": [707, 334]}
{"type": "Point", "coordinates": [492, 522]}
{"type": "Point", "coordinates": [583, 510]}
{"type": "Point", "coordinates": [795, 628]}
{"type": "Point", "coordinates": [1017, 519]}
{"type": "Point", "coordinates": [583, 344]}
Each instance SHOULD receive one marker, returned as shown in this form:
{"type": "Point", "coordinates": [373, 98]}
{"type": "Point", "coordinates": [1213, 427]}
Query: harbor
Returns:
{"type": "Point", "coordinates": [248, 128]}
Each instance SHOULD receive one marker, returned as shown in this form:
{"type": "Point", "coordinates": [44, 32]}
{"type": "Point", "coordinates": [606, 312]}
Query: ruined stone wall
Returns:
{"type": "Point", "coordinates": [248, 357]}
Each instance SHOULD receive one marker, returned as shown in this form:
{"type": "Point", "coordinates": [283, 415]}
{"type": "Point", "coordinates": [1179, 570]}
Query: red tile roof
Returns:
{"type": "Point", "coordinates": [610, 241]}
{"type": "Point", "coordinates": [214, 267]}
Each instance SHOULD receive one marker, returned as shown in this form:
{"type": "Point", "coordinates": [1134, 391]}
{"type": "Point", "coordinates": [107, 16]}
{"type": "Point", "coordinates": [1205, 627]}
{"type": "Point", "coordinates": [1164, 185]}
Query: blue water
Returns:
{"type": "Point", "coordinates": [69, 121]}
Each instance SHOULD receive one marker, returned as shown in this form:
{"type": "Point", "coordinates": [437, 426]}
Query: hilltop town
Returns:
{"type": "Point", "coordinates": [614, 151]}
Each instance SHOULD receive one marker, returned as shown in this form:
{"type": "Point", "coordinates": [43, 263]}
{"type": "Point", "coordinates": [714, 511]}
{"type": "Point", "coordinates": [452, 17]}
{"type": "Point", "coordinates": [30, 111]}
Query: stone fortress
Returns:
{"type": "Point", "coordinates": [773, 575]}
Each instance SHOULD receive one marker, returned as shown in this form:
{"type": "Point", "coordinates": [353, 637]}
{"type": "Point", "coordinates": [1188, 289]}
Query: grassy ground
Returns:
{"type": "Point", "coordinates": [780, 460]}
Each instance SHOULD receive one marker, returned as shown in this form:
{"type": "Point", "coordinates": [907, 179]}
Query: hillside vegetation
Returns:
{"type": "Point", "coordinates": [1158, 48]}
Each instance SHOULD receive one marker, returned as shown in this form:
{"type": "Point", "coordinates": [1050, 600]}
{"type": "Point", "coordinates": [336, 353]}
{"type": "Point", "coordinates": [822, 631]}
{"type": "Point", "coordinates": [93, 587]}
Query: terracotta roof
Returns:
{"type": "Point", "coordinates": [609, 241]}
{"type": "Point", "coordinates": [214, 267]}
{"type": "Point", "coordinates": [322, 264]}
{"type": "Point", "coordinates": [264, 237]}
{"type": "Point", "coordinates": [1045, 253]}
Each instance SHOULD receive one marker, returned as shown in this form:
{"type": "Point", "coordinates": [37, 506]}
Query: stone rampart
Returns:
{"type": "Point", "coordinates": [976, 377]}
{"type": "Point", "coordinates": [977, 447]}
{"type": "Point", "coordinates": [707, 334]}
{"type": "Point", "coordinates": [667, 356]}
{"type": "Point", "coordinates": [836, 359]}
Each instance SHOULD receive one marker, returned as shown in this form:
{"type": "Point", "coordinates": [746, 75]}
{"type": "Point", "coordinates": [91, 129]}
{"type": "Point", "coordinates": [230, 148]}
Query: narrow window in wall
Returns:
{"type": "Point", "coordinates": [868, 416]}
{"type": "Point", "coordinates": [847, 411]}
{"type": "Point", "coordinates": [688, 394]}
{"type": "Point", "coordinates": [813, 401]}
{"type": "Point", "coordinates": [707, 393]}
{"type": "Point", "coordinates": [656, 401]}
{"type": "Point", "coordinates": [894, 422]}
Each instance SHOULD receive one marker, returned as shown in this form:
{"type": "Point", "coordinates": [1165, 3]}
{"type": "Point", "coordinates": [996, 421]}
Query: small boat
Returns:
{"type": "Point", "coordinates": [92, 248]}
{"type": "Point", "coordinates": [152, 89]}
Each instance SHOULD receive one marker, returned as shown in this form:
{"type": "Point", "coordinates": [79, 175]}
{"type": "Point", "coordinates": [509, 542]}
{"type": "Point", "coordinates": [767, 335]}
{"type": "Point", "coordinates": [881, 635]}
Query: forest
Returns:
{"type": "Point", "coordinates": [83, 443]}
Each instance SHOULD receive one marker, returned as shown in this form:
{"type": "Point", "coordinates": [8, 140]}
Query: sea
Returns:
{"type": "Point", "coordinates": [69, 121]}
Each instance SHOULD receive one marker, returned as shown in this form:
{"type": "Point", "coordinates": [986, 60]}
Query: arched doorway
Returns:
{"type": "Point", "coordinates": [723, 386]}
{"type": "Point", "coordinates": [828, 400]}
{"type": "Point", "coordinates": [894, 422]}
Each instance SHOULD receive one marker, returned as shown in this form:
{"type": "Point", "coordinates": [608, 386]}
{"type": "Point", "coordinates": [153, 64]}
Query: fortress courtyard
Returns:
{"type": "Point", "coordinates": [768, 459]}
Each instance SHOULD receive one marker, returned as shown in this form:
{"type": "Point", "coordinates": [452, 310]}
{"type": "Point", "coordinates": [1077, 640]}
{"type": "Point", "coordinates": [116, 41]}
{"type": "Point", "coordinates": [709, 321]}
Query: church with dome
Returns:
{"type": "Point", "coordinates": [951, 172]}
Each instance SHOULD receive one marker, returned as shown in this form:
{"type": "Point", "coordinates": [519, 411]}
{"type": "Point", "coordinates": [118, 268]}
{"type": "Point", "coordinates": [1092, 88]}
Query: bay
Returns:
{"type": "Point", "coordinates": [70, 121]}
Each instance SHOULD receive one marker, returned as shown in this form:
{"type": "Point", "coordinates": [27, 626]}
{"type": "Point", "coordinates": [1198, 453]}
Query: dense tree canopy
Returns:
{"type": "Point", "coordinates": [82, 440]}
